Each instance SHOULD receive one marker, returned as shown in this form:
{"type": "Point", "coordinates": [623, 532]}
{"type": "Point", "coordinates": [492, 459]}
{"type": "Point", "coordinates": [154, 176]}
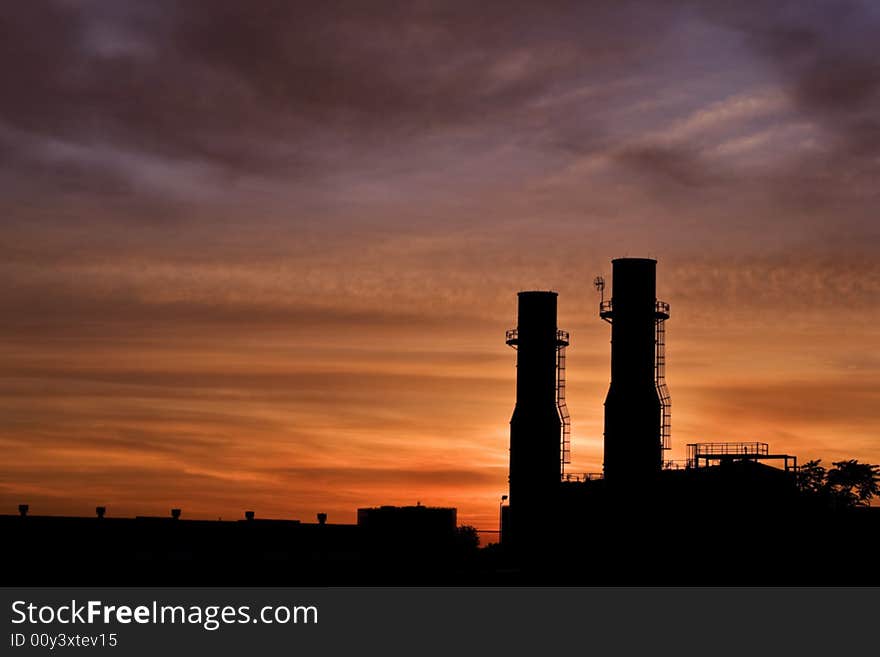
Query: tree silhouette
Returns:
{"type": "Point", "coordinates": [847, 484]}
{"type": "Point", "coordinates": [812, 478]}
{"type": "Point", "coordinates": [853, 483]}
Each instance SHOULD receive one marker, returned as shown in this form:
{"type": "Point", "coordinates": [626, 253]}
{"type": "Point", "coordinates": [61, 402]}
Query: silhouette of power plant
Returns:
{"type": "Point", "coordinates": [637, 408]}
{"type": "Point", "coordinates": [723, 516]}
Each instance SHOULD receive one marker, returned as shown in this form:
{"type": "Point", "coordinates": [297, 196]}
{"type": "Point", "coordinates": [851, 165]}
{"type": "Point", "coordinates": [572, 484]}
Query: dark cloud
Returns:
{"type": "Point", "coordinates": [675, 166]}
{"type": "Point", "coordinates": [281, 85]}
{"type": "Point", "coordinates": [829, 56]}
{"type": "Point", "coordinates": [114, 97]}
{"type": "Point", "coordinates": [173, 100]}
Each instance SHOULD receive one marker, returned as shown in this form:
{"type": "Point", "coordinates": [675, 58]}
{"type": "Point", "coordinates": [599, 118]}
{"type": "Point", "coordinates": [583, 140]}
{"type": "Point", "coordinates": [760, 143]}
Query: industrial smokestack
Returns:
{"type": "Point", "coordinates": [535, 428]}
{"type": "Point", "coordinates": [637, 403]}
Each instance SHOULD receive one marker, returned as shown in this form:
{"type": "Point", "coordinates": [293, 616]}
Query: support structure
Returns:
{"type": "Point", "coordinates": [704, 454]}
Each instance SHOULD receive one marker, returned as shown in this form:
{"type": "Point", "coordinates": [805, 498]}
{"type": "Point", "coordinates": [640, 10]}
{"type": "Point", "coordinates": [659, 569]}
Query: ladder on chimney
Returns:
{"type": "Point", "coordinates": [564, 418]}
{"type": "Point", "coordinates": [660, 382]}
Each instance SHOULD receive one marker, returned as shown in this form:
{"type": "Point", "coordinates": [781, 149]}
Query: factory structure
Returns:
{"type": "Point", "coordinates": [640, 495]}
{"type": "Point", "coordinates": [638, 404]}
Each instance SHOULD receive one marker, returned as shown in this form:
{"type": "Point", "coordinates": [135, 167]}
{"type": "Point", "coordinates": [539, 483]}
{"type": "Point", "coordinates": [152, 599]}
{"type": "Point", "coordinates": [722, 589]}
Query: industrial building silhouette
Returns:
{"type": "Point", "coordinates": [637, 407]}
{"type": "Point", "coordinates": [732, 513]}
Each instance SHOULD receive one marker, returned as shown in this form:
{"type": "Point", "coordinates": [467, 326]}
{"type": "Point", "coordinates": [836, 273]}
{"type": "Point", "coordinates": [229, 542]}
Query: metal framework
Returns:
{"type": "Point", "coordinates": [562, 341]}
{"type": "Point", "coordinates": [707, 453]}
{"type": "Point", "coordinates": [661, 314]}
{"type": "Point", "coordinates": [580, 477]}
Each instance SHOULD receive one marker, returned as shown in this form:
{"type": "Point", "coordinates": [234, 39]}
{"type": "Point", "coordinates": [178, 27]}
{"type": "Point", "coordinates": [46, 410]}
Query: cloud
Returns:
{"type": "Point", "coordinates": [422, 478]}
{"type": "Point", "coordinates": [282, 88]}
{"type": "Point", "coordinates": [424, 115]}
{"type": "Point", "coordinates": [826, 53]}
{"type": "Point", "coordinates": [677, 165]}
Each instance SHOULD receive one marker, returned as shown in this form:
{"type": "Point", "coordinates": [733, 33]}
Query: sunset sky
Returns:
{"type": "Point", "coordinates": [262, 255]}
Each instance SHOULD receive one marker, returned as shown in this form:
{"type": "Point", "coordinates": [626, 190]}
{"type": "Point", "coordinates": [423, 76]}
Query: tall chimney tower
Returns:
{"type": "Point", "coordinates": [637, 405]}
{"type": "Point", "coordinates": [536, 426]}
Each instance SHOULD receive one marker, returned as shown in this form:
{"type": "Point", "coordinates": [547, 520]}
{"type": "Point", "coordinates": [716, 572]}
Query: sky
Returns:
{"type": "Point", "coordinates": [263, 255]}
